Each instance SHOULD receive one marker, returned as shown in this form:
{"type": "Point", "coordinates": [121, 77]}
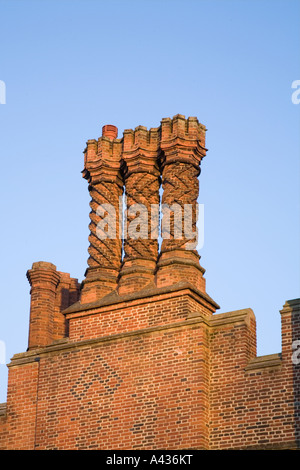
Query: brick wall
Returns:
{"type": "Point", "coordinates": [188, 382]}
{"type": "Point", "coordinates": [128, 392]}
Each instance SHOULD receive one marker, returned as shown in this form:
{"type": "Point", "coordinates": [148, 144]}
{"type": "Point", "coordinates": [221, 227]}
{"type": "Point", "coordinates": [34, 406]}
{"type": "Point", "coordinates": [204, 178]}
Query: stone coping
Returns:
{"type": "Point", "coordinates": [148, 293]}
{"type": "Point", "coordinates": [262, 362]}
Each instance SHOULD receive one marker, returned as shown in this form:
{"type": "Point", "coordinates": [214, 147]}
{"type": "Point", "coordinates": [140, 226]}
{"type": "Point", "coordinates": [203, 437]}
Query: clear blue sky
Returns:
{"type": "Point", "coordinates": [71, 66]}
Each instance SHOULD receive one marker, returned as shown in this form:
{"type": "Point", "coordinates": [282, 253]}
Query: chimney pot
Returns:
{"type": "Point", "coordinates": [110, 131]}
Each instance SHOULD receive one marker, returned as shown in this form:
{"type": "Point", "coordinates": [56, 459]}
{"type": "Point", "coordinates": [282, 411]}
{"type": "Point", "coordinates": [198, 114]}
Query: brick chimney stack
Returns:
{"type": "Point", "coordinates": [51, 292]}
{"type": "Point", "coordinates": [43, 279]}
{"type": "Point", "coordinates": [102, 170]}
{"type": "Point", "coordinates": [135, 166]}
{"type": "Point", "coordinates": [183, 147]}
{"type": "Point", "coordinates": [142, 180]}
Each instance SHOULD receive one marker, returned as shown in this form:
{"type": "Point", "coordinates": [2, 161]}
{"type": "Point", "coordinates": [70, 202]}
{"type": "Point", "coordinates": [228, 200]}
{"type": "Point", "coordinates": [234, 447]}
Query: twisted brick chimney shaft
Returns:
{"type": "Point", "coordinates": [138, 163]}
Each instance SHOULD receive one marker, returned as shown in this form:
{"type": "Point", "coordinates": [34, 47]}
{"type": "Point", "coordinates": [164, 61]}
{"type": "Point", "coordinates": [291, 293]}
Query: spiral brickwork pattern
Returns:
{"type": "Point", "coordinates": [104, 252]}
{"type": "Point", "coordinates": [181, 186]}
{"type": "Point", "coordinates": [142, 189]}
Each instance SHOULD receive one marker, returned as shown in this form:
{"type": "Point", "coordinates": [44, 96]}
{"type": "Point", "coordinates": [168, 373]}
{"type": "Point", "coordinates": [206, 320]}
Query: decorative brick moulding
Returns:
{"type": "Point", "coordinates": [135, 356]}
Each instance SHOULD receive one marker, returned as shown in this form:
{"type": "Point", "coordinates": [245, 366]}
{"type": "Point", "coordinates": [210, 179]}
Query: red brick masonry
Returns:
{"type": "Point", "coordinates": [136, 357]}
